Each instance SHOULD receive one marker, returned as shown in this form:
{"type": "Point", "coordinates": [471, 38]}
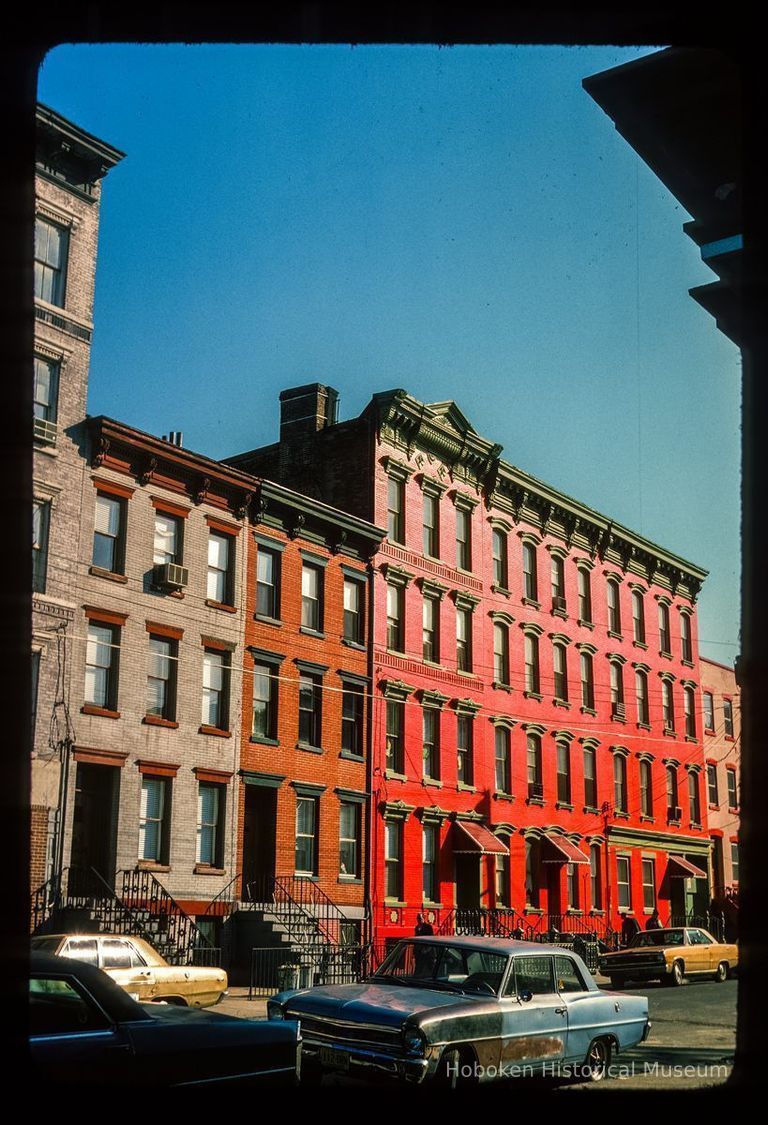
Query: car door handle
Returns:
{"type": "Point", "coordinates": [561, 1011]}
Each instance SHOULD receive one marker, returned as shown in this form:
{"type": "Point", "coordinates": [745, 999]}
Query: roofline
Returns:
{"type": "Point", "coordinates": [94, 146]}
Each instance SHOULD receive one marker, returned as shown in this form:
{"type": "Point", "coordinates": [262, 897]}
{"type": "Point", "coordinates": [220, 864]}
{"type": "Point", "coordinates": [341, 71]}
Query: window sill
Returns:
{"type": "Point", "coordinates": [666, 655]}
{"type": "Point", "coordinates": [691, 738]}
{"type": "Point", "coordinates": [428, 904]}
{"type": "Point", "coordinates": [620, 814]}
{"type": "Point", "coordinates": [205, 869]}
{"type": "Point", "coordinates": [647, 819]}
{"type": "Point", "coordinates": [709, 730]}
{"type": "Point", "coordinates": [618, 719]}
{"type": "Point", "coordinates": [584, 623]}
{"type": "Point", "coordinates": [462, 788]}
{"type": "Point", "coordinates": [159, 721]}
{"type": "Point", "coordinates": [564, 805]}
{"type": "Point", "coordinates": [348, 756]}
{"type": "Point", "coordinates": [499, 686]}
{"type": "Point", "coordinates": [394, 902]}
{"type": "Point", "coordinates": [588, 711]}
{"type": "Point", "coordinates": [674, 823]}
{"type": "Point", "coordinates": [532, 695]}
{"type": "Point", "coordinates": [465, 570]}
{"type": "Point", "coordinates": [532, 910]}
{"type": "Point", "coordinates": [309, 749]}
{"type": "Point", "coordinates": [535, 801]}
{"type": "Point", "coordinates": [263, 619]}
{"type": "Point", "coordinates": [102, 712]}
{"type": "Point", "coordinates": [643, 726]}
{"type": "Point", "coordinates": [223, 606]}
{"type": "Point", "coordinates": [432, 782]}
{"type": "Point", "coordinates": [597, 913]}
{"type": "Point", "coordinates": [562, 703]}
{"type": "Point", "coordinates": [687, 663]}
{"type": "Point", "coordinates": [668, 733]}
{"type": "Point", "coordinates": [712, 806]}
{"type": "Point", "coordinates": [215, 731]}
{"type": "Point", "coordinates": [695, 824]}
{"type": "Point", "coordinates": [728, 738]}
{"type": "Point", "coordinates": [591, 809]}
{"type": "Point", "coordinates": [349, 879]}
{"type": "Point", "coordinates": [615, 636]}
{"type": "Point", "coordinates": [395, 651]}
{"type": "Point", "coordinates": [353, 644]}
{"type": "Point", "coordinates": [505, 593]}
{"type": "Point", "coordinates": [733, 808]}
{"type": "Point", "coordinates": [393, 775]}
{"type": "Point", "coordinates": [256, 738]}
{"type": "Point", "coordinates": [501, 796]}
{"type": "Point", "coordinates": [152, 865]}
{"type": "Point", "coordinates": [305, 629]}
{"type": "Point", "coordinates": [561, 613]}
{"type": "Point", "coordinates": [470, 675]}
{"type": "Point", "coordinates": [575, 912]}
{"type": "Point", "coordinates": [431, 663]}
{"type": "Point", "coordinates": [640, 644]}
{"type": "Point", "coordinates": [531, 602]}
{"type": "Point", "coordinates": [110, 575]}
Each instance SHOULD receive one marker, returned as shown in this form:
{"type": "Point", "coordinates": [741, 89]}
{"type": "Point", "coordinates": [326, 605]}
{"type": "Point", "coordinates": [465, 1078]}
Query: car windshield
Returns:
{"type": "Point", "coordinates": [658, 938]}
{"type": "Point", "coordinates": [447, 967]}
{"type": "Point", "coordinates": [45, 944]}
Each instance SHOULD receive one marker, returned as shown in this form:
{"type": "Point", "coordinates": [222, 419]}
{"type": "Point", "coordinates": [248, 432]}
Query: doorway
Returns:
{"type": "Point", "coordinates": [467, 874]}
{"type": "Point", "coordinates": [94, 826]}
{"type": "Point", "coordinates": [259, 830]}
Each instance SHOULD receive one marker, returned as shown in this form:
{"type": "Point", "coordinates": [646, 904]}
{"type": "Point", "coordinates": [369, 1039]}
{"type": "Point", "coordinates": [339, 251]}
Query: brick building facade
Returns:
{"type": "Point", "coordinates": [70, 166]}
{"type": "Point", "coordinates": [535, 746]}
{"type": "Point", "coordinates": [721, 722]}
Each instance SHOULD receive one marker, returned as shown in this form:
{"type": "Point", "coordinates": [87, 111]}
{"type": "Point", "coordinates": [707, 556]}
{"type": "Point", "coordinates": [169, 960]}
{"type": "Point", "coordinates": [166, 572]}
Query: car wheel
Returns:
{"type": "Point", "coordinates": [677, 976]}
{"type": "Point", "coordinates": [449, 1073]}
{"type": "Point", "coordinates": [597, 1061]}
{"type": "Point", "coordinates": [618, 982]}
{"type": "Point", "coordinates": [722, 973]}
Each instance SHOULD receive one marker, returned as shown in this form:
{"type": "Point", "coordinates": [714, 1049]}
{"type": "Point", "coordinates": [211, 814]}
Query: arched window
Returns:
{"type": "Point", "coordinates": [596, 879]}
{"type": "Point", "coordinates": [563, 772]}
{"type": "Point", "coordinates": [503, 760]}
{"type": "Point", "coordinates": [501, 653]}
{"type": "Point", "coordinates": [530, 584]}
{"type": "Point", "coordinates": [585, 595]}
{"type": "Point", "coordinates": [590, 777]}
{"type": "Point", "coordinates": [690, 712]}
{"type": "Point", "coordinates": [673, 809]}
{"type": "Point", "coordinates": [533, 751]}
{"type": "Point", "coordinates": [646, 789]}
{"type": "Point", "coordinates": [665, 645]}
{"type": "Point", "coordinates": [587, 681]}
{"type": "Point", "coordinates": [617, 690]}
{"type": "Point", "coordinates": [694, 804]}
{"type": "Point", "coordinates": [668, 704]}
{"type": "Point", "coordinates": [532, 680]}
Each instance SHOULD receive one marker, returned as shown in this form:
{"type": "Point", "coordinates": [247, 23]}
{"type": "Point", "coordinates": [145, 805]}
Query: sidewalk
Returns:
{"type": "Point", "coordinates": [236, 1003]}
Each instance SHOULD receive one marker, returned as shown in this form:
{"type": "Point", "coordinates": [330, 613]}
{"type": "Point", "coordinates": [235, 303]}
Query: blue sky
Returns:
{"type": "Point", "coordinates": [463, 222]}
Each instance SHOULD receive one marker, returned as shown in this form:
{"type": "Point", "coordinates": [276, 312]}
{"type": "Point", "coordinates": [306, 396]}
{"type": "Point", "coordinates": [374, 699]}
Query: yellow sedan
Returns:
{"type": "Point", "coordinates": [138, 968]}
{"type": "Point", "coordinates": [670, 956]}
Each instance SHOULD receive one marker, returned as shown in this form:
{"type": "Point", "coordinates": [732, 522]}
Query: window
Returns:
{"type": "Point", "coordinates": [430, 616]}
{"type": "Point", "coordinates": [464, 640]}
{"type": "Point", "coordinates": [41, 518]}
{"type": "Point", "coordinates": [310, 710]}
{"type": "Point", "coordinates": [563, 773]}
{"type": "Point", "coordinates": [167, 539]}
{"type": "Point", "coordinates": [533, 761]}
{"type": "Point", "coordinates": [558, 583]}
{"type": "Point", "coordinates": [638, 617]}
{"type": "Point", "coordinates": [685, 637]}
{"type": "Point", "coordinates": [623, 872]}
{"type": "Point", "coordinates": [395, 630]}
{"type": "Point", "coordinates": [311, 598]}
{"type": "Point", "coordinates": [501, 654]}
{"type": "Point", "coordinates": [665, 646]}
{"type": "Point", "coordinates": [210, 821]}
{"type": "Point", "coordinates": [161, 677]}
{"type": "Point", "coordinates": [215, 685]}
{"type": "Point", "coordinates": [395, 510]}
{"type": "Point", "coordinates": [101, 665]}
{"type": "Point", "coordinates": [395, 748]}
{"type": "Point", "coordinates": [530, 585]}
{"type": "Point", "coordinates": [646, 791]}
{"type": "Point", "coordinates": [393, 859]}
{"type": "Point", "coordinates": [154, 818]}
{"type": "Point", "coordinates": [641, 695]}
{"type": "Point", "coordinates": [560, 668]}
{"type": "Point", "coordinates": [108, 534]}
{"type": "Point", "coordinates": [352, 709]}
{"type": "Point", "coordinates": [431, 541]}
{"type": "Point", "coordinates": [585, 595]}
{"type": "Point", "coordinates": [619, 783]}
{"type": "Point", "coordinates": [306, 835]}
{"type": "Point", "coordinates": [709, 711]}
{"type": "Point", "coordinates": [734, 861]}
{"type": "Point", "coordinates": [268, 583]}
{"type": "Point", "coordinates": [51, 248]}
{"type": "Point", "coordinates": [595, 879]}
{"type": "Point", "coordinates": [265, 701]}
{"type": "Point", "coordinates": [587, 682]}
{"type": "Point", "coordinates": [502, 880]}
{"type": "Point", "coordinates": [532, 861]}
{"type": "Point", "coordinates": [590, 777]}
{"type": "Point", "coordinates": [429, 863]}
{"type": "Point", "coordinates": [349, 839]}
{"type": "Point", "coordinates": [690, 712]}
{"type": "Point", "coordinates": [728, 717]}
{"type": "Point", "coordinates": [354, 602]}
{"type": "Point", "coordinates": [35, 684]}
{"type": "Point", "coordinates": [572, 887]}
{"type": "Point", "coordinates": [430, 739]}
{"type": "Point", "coordinates": [694, 801]}
{"type": "Point", "coordinates": [502, 753]}
{"type": "Point", "coordinates": [464, 749]}
{"type": "Point", "coordinates": [673, 809]}
{"type": "Point", "coordinates": [617, 689]}
{"type": "Point", "coordinates": [220, 559]}
{"type": "Point", "coordinates": [499, 552]}
{"type": "Point", "coordinates": [532, 663]}
{"type": "Point", "coordinates": [463, 539]}
{"type": "Point", "coordinates": [713, 793]}
{"type": "Point", "coordinates": [46, 392]}
{"type": "Point", "coordinates": [649, 884]}
{"type": "Point", "coordinates": [668, 704]}
{"type": "Point", "coordinates": [614, 607]}
{"type": "Point", "coordinates": [733, 800]}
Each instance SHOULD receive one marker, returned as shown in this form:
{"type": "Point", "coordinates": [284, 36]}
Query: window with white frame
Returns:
{"type": "Point", "coordinates": [430, 888]}
{"type": "Point", "coordinates": [220, 557]}
{"type": "Point", "coordinates": [499, 554]}
{"type": "Point", "coordinates": [585, 595]}
{"type": "Point", "coordinates": [558, 582]}
{"type": "Point", "coordinates": [310, 709]}
{"type": "Point", "coordinates": [430, 621]}
{"type": "Point", "coordinates": [463, 539]}
{"type": "Point", "coordinates": [668, 704]}
{"type": "Point", "coordinates": [728, 718]}
{"type": "Point", "coordinates": [649, 884]}
{"type": "Point", "coordinates": [530, 583]}
{"type": "Point", "coordinates": [502, 751]}
{"type": "Point", "coordinates": [354, 604]}
{"type": "Point", "coordinates": [502, 880]}
{"type": "Point", "coordinates": [694, 799]}
{"type": "Point", "coordinates": [465, 749]}
{"type": "Point", "coordinates": [665, 645]}
{"type": "Point", "coordinates": [595, 877]}
{"type": "Point", "coordinates": [733, 796]}
{"type": "Point", "coordinates": [614, 606]}
{"type": "Point", "coordinates": [109, 534]}
{"type": "Point", "coordinates": [210, 819]}
{"type": "Point", "coordinates": [268, 583]}
{"type": "Point", "coordinates": [393, 859]}
{"type": "Point", "coordinates": [673, 809]}
{"type": "Point", "coordinates": [646, 789]}
{"type": "Point", "coordinates": [101, 665]}
{"type": "Point", "coordinates": [167, 539]}
{"type": "Point", "coordinates": [532, 681]}
{"type": "Point", "coordinates": [713, 789]}
{"type": "Point", "coordinates": [638, 617]}
{"type": "Point", "coordinates": [619, 783]}
{"type": "Point", "coordinates": [396, 510]}
{"type": "Point", "coordinates": [51, 251]}
{"type": "Point", "coordinates": [501, 653]}
{"type": "Point", "coordinates": [349, 839]}
{"type": "Point", "coordinates": [532, 871]}
{"type": "Point", "coordinates": [560, 669]}
{"type": "Point", "coordinates": [265, 700]}
{"type": "Point", "coordinates": [641, 695]}
{"type": "Point", "coordinates": [161, 677]}
{"type": "Point", "coordinates": [352, 711]}
{"type": "Point", "coordinates": [46, 389]}
{"type": "Point", "coordinates": [572, 885]}
{"type": "Point", "coordinates": [623, 882]}
{"type": "Point", "coordinates": [563, 772]}
{"type": "Point", "coordinates": [395, 617]}
{"type": "Point", "coordinates": [617, 689]}
{"type": "Point", "coordinates": [587, 681]}
{"type": "Point", "coordinates": [307, 809]}
{"type": "Point", "coordinates": [431, 526]}
{"type": "Point", "coordinates": [463, 639]}
{"type": "Point", "coordinates": [430, 740]}
{"type": "Point", "coordinates": [215, 689]}
{"type": "Point", "coordinates": [590, 777]}
{"type": "Point", "coordinates": [311, 598]}
{"type": "Point", "coordinates": [689, 708]}
{"type": "Point", "coordinates": [685, 637]}
{"type": "Point", "coordinates": [734, 861]}
{"type": "Point", "coordinates": [395, 743]}
{"type": "Point", "coordinates": [534, 767]}
{"type": "Point", "coordinates": [153, 819]}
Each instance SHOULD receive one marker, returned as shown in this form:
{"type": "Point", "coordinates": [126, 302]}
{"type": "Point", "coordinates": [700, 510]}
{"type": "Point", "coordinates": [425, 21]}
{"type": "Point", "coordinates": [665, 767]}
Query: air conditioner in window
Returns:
{"type": "Point", "coordinates": [45, 432]}
{"type": "Point", "coordinates": [674, 812]}
{"type": "Point", "coordinates": [617, 711]}
{"type": "Point", "coordinates": [171, 576]}
{"type": "Point", "coordinates": [558, 601]}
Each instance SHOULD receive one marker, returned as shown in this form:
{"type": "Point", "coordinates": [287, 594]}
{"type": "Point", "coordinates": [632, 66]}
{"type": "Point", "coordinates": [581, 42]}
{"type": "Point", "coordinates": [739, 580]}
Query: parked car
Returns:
{"type": "Point", "coordinates": [84, 1029]}
{"type": "Point", "coordinates": [670, 956]}
{"type": "Point", "coordinates": [460, 1010]}
{"type": "Point", "coordinates": [138, 968]}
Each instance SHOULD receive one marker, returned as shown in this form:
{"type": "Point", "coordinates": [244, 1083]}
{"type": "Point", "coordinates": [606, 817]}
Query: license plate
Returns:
{"type": "Point", "coordinates": [335, 1060]}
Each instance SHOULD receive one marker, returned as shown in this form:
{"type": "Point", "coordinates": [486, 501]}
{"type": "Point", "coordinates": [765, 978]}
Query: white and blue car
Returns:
{"type": "Point", "coordinates": [460, 1010]}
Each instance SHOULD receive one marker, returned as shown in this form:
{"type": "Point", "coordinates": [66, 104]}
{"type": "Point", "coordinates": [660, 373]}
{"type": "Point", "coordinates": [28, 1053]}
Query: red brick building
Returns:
{"type": "Point", "coordinates": [721, 722]}
{"type": "Point", "coordinates": [536, 754]}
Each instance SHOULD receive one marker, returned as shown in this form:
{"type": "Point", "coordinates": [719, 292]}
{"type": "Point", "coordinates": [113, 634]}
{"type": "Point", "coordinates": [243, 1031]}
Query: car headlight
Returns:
{"type": "Point", "coordinates": [274, 1011]}
{"type": "Point", "coordinates": [414, 1041]}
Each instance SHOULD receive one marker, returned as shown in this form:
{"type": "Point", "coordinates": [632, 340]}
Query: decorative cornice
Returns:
{"type": "Point", "coordinates": [467, 707]}
{"type": "Point", "coordinates": [397, 575]}
{"type": "Point", "coordinates": [396, 810]}
{"type": "Point", "coordinates": [431, 698]}
{"type": "Point", "coordinates": [396, 689]}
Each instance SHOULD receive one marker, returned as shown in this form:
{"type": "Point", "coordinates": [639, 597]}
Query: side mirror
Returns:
{"type": "Point", "coordinates": [525, 995]}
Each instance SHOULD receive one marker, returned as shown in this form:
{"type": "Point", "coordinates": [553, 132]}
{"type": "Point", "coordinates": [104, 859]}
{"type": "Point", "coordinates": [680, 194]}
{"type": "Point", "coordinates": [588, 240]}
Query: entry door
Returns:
{"type": "Point", "coordinates": [467, 869]}
{"type": "Point", "coordinates": [677, 901]}
{"type": "Point", "coordinates": [259, 824]}
{"type": "Point", "coordinates": [94, 826]}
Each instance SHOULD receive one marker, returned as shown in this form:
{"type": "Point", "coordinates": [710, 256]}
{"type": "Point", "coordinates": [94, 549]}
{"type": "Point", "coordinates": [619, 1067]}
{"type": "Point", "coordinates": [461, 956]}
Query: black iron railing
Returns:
{"type": "Point", "coordinates": [308, 915]}
{"type": "Point", "coordinates": [174, 934]}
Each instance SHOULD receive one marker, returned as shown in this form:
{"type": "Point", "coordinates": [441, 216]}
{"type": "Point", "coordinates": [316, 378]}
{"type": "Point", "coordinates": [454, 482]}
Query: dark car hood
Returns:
{"type": "Point", "coordinates": [388, 1004]}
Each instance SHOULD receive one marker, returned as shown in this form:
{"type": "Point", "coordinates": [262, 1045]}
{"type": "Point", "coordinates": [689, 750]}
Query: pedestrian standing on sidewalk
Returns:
{"type": "Point", "coordinates": [653, 922]}
{"type": "Point", "coordinates": [629, 929]}
{"type": "Point", "coordinates": [423, 928]}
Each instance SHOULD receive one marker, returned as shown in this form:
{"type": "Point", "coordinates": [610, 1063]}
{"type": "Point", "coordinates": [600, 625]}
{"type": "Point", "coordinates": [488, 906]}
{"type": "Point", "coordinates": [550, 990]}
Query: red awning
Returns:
{"type": "Point", "coordinates": [477, 839]}
{"type": "Point", "coordinates": [563, 850]}
{"type": "Point", "coordinates": [680, 868]}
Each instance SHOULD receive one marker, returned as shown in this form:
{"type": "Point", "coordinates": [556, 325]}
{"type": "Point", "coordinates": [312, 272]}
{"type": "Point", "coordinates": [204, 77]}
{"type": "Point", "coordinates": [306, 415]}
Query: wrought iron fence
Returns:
{"type": "Point", "coordinates": [277, 969]}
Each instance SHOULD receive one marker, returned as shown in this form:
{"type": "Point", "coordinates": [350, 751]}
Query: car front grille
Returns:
{"type": "Point", "coordinates": [353, 1035]}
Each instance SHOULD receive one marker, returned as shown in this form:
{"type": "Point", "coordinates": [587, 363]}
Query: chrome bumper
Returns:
{"type": "Point", "coordinates": [362, 1060]}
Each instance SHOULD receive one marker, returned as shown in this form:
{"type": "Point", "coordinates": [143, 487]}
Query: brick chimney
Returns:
{"type": "Point", "coordinates": [306, 410]}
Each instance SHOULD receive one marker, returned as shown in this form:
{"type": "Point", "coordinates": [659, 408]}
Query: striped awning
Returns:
{"type": "Point", "coordinates": [562, 850]}
{"type": "Point", "coordinates": [680, 868]}
{"type": "Point", "coordinates": [469, 836]}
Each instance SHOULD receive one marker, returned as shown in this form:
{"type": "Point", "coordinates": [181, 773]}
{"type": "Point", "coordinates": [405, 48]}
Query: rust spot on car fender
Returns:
{"type": "Point", "coordinates": [533, 1047]}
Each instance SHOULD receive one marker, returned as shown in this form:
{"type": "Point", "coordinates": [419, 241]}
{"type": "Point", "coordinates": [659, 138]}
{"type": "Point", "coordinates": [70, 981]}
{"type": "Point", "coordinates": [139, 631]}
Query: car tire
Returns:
{"type": "Point", "coordinates": [449, 1075]}
{"type": "Point", "coordinates": [598, 1060]}
{"type": "Point", "coordinates": [722, 972]}
{"type": "Point", "coordinates": [677, 976]}
{"type": "Point", "coordinates": [618, 982]}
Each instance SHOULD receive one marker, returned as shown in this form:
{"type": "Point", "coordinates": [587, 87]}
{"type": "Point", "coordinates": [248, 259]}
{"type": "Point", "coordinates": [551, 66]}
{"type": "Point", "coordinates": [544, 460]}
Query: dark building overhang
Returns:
{"type": "Point", "coordinates": [67, 154]}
